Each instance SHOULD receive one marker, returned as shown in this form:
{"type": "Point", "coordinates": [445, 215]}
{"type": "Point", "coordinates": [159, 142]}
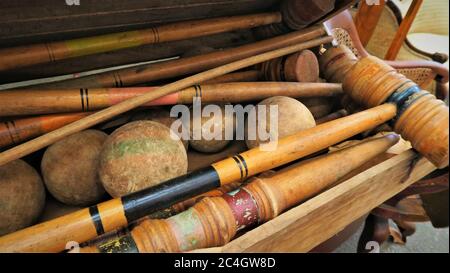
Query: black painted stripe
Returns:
{"type": "Point", "coordinates": [87, 98]}
{"type": "Point", "coordinates": [196, 91]}
{"type": "Point", "coordinates": [139, 204]}
{"type": "Point", "coordinates": [50, 53]}
{"type": "Point", "coordinates": [403, 101]}
{"type": "Point", "coordinates": [402, 108]}
{"type": "Point", "coordinates": [240, 166]}
{"type": "Point", "coordinates": [10, 132]}
{"type": "Point", "coordinates": [157, 34]}
{"type": "Point", "coordinates": [201, 91]}
{"type": "Point", "coordinates": [244, 164]}
{"type": "Point", "coordinates": [96, 219]}
{"type": "Point", "coordinates": [15, 132]}
{"type": "Point", "coordinates": [120, 80]}
{"type": "Point", "coordinates": [154, 35]}
{"type": "Point", "coordinates": [82, 99]}
{"type": "Point", "coordinates": [116, 83]}
{"type": "Point", "coordinates": [282, 75]}
{"type": "Point", "coordinates": [399, 97]}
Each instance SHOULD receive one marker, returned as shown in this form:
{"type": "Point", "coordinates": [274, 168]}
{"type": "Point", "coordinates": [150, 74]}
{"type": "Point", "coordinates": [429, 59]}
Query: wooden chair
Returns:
{"type": "Point", "coordinates": [404, 207]}
{"type": "Point", "coordinates": [422, 72]}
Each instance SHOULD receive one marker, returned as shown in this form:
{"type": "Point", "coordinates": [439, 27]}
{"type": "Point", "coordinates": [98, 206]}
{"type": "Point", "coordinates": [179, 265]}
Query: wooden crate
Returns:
{"type": "Point", "coordinates": [300, 229]}
{"type": "Point", "coordinates": [26, 21]}
{"type": "Point", "coordinates": [337, 212]}
{"type": "Point", "coordinates": [312, 223]}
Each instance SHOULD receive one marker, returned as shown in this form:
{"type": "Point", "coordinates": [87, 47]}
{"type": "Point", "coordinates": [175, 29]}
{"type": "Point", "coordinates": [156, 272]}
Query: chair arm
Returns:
{"type": "Point", "coordinates": [344, 20]}
{"type": "Point", "coordinates": [440, 69]}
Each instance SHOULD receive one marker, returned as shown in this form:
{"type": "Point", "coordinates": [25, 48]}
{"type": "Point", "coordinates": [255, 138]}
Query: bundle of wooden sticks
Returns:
{"type": "Point", "coordinates": [138, 175]}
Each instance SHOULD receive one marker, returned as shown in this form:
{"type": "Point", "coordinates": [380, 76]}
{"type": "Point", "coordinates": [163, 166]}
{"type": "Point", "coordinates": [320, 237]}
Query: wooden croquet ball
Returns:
{"type": "Point", "coordinates": [158, 114]}
{"type": "Point", "coordinates": [70, 168]}
{"type": "Point", "coordinates": [138, 155]}
{"type": "Point", "coordinates": [22, 196]}
{"type": "Point", "coordinates": [293, 117]}
{"type": "Point", "coordinates": [217, 126]}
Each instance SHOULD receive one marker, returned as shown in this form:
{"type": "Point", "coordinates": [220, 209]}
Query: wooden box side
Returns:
{"type": "Point", "coordinates": [306, 226]}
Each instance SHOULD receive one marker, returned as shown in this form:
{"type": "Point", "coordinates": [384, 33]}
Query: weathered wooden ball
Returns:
{"type": "Point", "coordinates": [160, 115]}
{"type": "Point", "coordinates": [139, 155]}
{"type": "Point", "coordinates": [22, 196]}
{"type": "Point", "coordinates": [70, 168]}
{"type": "Point", "coordinates": [293, 117]}
{"type": "Point", "coordinates": [216, 126]}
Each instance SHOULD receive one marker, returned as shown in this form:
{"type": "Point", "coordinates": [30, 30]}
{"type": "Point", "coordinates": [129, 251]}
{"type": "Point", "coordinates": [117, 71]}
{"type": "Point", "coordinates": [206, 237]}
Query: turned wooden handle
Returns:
{"type": "Point", "coordinates": [215, 221]}
{"type": "Point", "coordinates": [421, 118]}
{"type": "Point", "coordinates": [32, 102]}
{"type": "Point", "coordinates": [301, 144]}
{"type": "Point", "coordinates": [185, 66]}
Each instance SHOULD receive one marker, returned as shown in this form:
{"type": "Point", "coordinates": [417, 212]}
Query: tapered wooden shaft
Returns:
{"type": "Point", "coordinates": [16, 131]}
{"type": "Point", "coordinates": [214, 221]}
{"type": "Point", "coordinates": [32, 102]}
{"type": "Point", "coordinates": [11, 58]}
{"type": "Point", "coordinates": [244, 76]}
{"type": "Point", "coordinates": [421, 119]}
{"type": "Point", "coordinates": [301, 144]}
{"type": "Point", "coordinates": [90, 222]}
{"type": "Point", "coordinates": [185, 66]}
{"type": "Point", "coordinates": [103, 115]}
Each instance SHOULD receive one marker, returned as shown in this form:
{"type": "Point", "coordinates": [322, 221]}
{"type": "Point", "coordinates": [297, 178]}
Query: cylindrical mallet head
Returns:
{"type": "Point", "coordinates": [70, 168]}
{"type": "Point", "coordinates": [22, 196]}
{"type": "Point", "coordinates": [421, 118]}
{"type": "Point", "coordinates": [138, 155]}
{"type": "Point", "coordinates": [299, 67]}
{"type": "Point", "coordinates": [335, 63]}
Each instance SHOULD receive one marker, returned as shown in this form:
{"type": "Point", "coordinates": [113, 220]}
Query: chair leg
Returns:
{"type": "Point", "coordinates": [442, 91]}
{"type": "Point", "coordinates": [406, 228]}
{"type": "Point", "coordinates": [376, 230]}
